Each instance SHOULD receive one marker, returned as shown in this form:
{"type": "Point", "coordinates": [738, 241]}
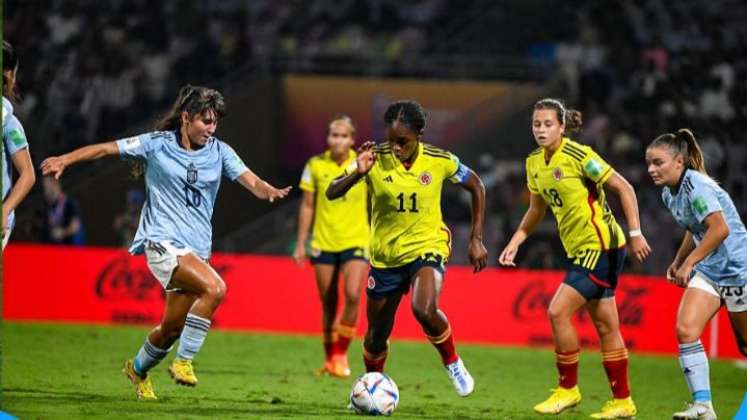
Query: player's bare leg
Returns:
{"type": "Point", "coordinates": [426, 290]}
{"type": "Point", "coordinates": [697, 307]}
{"type": "Point", "coordinates": [158, 343]}
{"type": "Point", "coordinates": [195, 276]}
{"type": "Point", "coordinates": [604, 314]}
{"type": "Point", "coordinates": [380, 314]}
{"type": "Point", "coordinates": [566, 302]}
{"type": "Point", "coordinates": [327, 283]}
{"type": "Point", "coordinates": [353, 273]}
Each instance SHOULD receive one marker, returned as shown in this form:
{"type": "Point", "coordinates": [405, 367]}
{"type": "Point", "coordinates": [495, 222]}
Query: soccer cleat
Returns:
{"type": "Point", "coordinates": [561, 399]}
{"type": "Point", "coordinates": [339, 366]}
{"type": "Point", "coordinates": [697, 410]}
{"type": "Point", "coordinates": [143, 386]}
{"type": "Point", "coordinates": [182, 372]}
{"type": "Point", "coordinates": [617, 408]}
{"type": "Point", "coordinates": [463, 382]}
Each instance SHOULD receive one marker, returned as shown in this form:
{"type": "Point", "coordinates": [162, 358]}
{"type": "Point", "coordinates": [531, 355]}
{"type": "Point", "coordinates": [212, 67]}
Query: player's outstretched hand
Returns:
{"type": "Point", "coordinates": [478, 255]}
{"type": "Point", "coordinates": [507, 256]}
{"type": "Point", "coordinates": [276, 193]}
{"type": "Point", "coordinates": [366, 157]}
{"type": "Point", "coordinates": [299, 254]}
{"type": "Point", "coordinates": [54, 165]}
{"type": "Point", "coordinates": [640, 248]}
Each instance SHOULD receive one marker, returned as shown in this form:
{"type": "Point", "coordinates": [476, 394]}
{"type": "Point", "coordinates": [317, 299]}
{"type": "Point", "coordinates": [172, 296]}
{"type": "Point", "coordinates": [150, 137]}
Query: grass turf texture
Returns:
{"type": "Point", "coordinates": [74, 371]}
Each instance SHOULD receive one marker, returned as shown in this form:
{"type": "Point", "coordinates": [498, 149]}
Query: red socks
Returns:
{"type": "Point", "coordinates": [375, 361]}
{"type": "Point", "coordinates": [444, 343]}
{"type": "Point", "coordinates": [345, 334]}
{"type": "Point", "coordinates": [616, 365]}
{"type": "Point", "coordinates": [567, 364]}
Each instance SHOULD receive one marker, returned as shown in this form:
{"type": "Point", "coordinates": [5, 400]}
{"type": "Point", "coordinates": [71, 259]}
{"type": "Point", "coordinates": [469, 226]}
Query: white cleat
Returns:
{"type": "Point", "coordinates": [463, 382]}
{"type": "Point", "coordinates": [697, 410]}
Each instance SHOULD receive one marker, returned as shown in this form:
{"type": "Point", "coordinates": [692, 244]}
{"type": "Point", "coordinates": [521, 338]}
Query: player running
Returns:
{"type": "Point", "coordinates": [711, 262]}
{"type": "Point", "coordinates": [410, 242]}
{"type": "Point", "coordinates": [183, 166]}
{"type": "Point", "coordinates": [570, 179]}
{"type": "Point", "coordinates": [15, 148]}
{"type": "Point", "coordinates": [339, 243]}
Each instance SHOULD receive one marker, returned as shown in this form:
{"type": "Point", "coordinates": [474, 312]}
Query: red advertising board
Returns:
{"type": "Point", "coordinates": [497, 306]}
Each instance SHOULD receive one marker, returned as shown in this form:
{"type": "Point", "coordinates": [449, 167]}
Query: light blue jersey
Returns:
{"type": "Point", "coordinates": [14, 139]}
{"type": "Point", "coordinates": [181, 187]}
{"type": "Point", "coordinates": [697, 197]}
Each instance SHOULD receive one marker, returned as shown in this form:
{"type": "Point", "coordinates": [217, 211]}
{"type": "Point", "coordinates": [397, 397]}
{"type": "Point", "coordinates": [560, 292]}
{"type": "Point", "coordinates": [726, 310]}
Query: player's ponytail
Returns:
{"type": "Point", "coordinates": [691, 150]}
{"type": "Point", "coordinates": [573, 121]}
{"type": "Point", "coordinates": [571, 118]}
{"type": "Point", "coordinates": [10, 66]}
{"type": "Point", "coordinates": [683, 143]}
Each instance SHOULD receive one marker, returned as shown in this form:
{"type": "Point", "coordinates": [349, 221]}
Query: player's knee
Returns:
{"type": "Point", "coordinates": [557, 315]}
{"type": "Point", "coordinates": [686, 333]}
{"type": "Point", "coordinates": [424, 313]}
{"type": "Point", "coordinates": [216, 290]}
{"type": "Point", "coordinates": [605, 328]}
{"type": "Point", "coordinates": [352, 298]}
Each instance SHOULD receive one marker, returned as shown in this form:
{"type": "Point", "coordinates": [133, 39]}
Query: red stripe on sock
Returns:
{"type": "Point", "coordinates": [447, 350]}
{"type": "Point", "coordinates": [567, 372]}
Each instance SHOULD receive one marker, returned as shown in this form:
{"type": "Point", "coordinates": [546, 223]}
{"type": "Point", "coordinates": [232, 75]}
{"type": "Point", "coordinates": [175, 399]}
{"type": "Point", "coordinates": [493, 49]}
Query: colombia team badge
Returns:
{"type": "Point", "coordinates": [425, 178]}
{"type": "Point", "coordinates": [371, 282]}
{"type": "Point", "coordinates": [557, 174]}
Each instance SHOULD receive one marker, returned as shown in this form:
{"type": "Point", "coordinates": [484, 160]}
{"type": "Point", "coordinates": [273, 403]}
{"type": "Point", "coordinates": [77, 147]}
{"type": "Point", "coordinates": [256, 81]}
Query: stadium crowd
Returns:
{"type": "Point", "coordinates": [633, 67]}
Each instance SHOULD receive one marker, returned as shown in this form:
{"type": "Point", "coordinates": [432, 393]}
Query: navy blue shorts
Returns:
{"type": "Point", "coordinates": [339, 258]}
{"type": "Point", "coordinates": [595, 274]}
{"type": "Point", "coordinates": [383, 282]}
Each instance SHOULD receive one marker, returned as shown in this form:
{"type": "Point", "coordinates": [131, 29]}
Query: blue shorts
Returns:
{"type": "Point", "coordinates": [383, 282]}
{"type": "Point", "coordinates": [595, 275]}
{"type": "Point", "coordinates": [339, 258]}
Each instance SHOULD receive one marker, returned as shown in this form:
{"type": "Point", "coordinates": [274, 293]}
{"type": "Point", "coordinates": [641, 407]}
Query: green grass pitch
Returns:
{"type": "Point", "coordinates": [74, 371]}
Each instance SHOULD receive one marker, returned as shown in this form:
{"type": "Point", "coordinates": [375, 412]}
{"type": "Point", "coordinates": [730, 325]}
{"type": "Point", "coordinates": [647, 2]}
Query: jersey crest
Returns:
{"type": "Point", "coordinates": [426, 178]}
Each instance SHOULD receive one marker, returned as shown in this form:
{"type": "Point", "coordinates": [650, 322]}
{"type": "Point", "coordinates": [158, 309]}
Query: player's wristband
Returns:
{"type": "Point", "coordinates": [635, 232]}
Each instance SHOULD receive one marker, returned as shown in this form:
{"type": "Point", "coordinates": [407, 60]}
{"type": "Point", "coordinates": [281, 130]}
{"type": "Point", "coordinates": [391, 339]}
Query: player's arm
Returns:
{"type": "Point", "coordinates": [56, 165]}
{"type": "Point", "coordinates": [533, 216]}
{"type": "Point", "coordinates": [684, 250]}
{"type": "Point", "coordinates": [478, 255]}
{"type": "Point", "coordinates": [364, 162]}
{"type": "Point", "coordinates": [716, 232]}
{"type": "Point", "coordinates": [620, 186]}
{"type": "Point", "coordinates": [305, 216]}
{"type": "Point", "coordinates": [26, 179]}
{"type": "Point", "coordinates": [260, 188]}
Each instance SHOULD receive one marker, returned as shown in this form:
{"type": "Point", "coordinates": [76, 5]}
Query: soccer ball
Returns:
{"type": "Point", "coordinates": [374, 393]}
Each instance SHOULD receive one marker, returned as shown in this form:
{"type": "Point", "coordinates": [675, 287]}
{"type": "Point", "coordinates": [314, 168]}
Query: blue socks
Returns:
{"type": "Point", "coordinates": [147, 357]}
{"type": "Point", "coordinates": [193, 335]}
{"type": "Point", "coordinates": [694, 363]}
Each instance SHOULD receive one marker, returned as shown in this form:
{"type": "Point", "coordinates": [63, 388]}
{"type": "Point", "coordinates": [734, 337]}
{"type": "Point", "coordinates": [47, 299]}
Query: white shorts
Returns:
{"type": "Point", "coordinates": [162, 260]}
{"type": "Point", "coordinates": [734, 297]}
{"type": "Point", "coordinates": [6, 236]}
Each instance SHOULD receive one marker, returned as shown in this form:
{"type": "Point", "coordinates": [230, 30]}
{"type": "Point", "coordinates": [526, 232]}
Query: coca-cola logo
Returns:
{"type": "Point", "coordinates": [121, 279]}
{"type": "Point", "coordinates": [532, 301]}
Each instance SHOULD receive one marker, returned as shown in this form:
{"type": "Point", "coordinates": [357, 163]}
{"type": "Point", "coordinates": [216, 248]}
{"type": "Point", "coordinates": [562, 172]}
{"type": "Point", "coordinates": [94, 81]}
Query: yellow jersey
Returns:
{"type": "Point", "coordinates": [338, 224]}
{"type": "Point", "coordinates": [571, 185]}
{"type": "Point", "coordinates": [406, 221]}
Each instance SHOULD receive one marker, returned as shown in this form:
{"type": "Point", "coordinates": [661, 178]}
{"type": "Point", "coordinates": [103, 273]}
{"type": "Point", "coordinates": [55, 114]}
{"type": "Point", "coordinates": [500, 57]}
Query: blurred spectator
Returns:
{"type": "Point", "coordinates": [126, 223]}
{"type": "Point", "coordinates": [59, 222]}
